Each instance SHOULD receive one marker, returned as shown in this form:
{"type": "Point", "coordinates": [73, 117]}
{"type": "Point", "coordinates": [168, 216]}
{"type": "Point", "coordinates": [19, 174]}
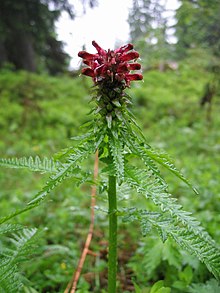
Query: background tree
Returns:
{"type": "Point", "coordinates": [148, 29]}
{"type": "Point", "coordinates": [198, 25]}
{"type": "Point", "coordinates": [140, 19]}
{"type": "Point", "coordinates": [27, 33]}
{"type": "Point", "coordinates": [198, 28]}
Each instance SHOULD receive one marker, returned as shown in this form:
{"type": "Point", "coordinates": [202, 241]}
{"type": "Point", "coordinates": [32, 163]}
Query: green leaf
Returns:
{"type": "Point", "coordinates": [164, 290]}
{"type": "Point", "coordinates": [33, 164]}
{"type": "Point", "coordinates": [136, 149]}
{"type": "Point", "coordinates": [184, 228]}
{"type": "Point", "coordinates": [165, 161]}
{"type": "Point", "coordinates": [82, 137]}
{"type": "Point", "coordinates": [109, 120]}
{"type": "Point", "coordinates": [24, 244]}
{"type": "Point", "coordinates": [70, 169]}
{"type": "Point", "coordinates": [158, 287]}
{"type": "Point", "coordinates": [117, 153]}
{"type": "Point", "coordinates": [116, 103]}
{"type": "Point", "coordinates": [137, 288]}
{"type": "Point", "coordinates": [186, 275]}
{"type": "Point", "coordinates": [149, 156]}
{"type": "Point", "coordinates": [211, 286]}
{"type": "Point", "coordinates": [9, 228]}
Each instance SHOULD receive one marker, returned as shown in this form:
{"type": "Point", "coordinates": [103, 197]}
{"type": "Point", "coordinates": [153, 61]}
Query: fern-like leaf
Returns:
{"type": "Point", "coordinates": [164, 160]}
{"type": "Point", "coordinates": [206, 251]}
{"type": "Point", "coordinates": [187, 232]}
{"type": "Point", "coordinates": [195, 244]}
{"type": "Point", "coordinates": [9, 228]}
{"type": "Point", "coordinates": [33, 164]}
{"type": "Point", "coordinates": [211, 286]}
{"type": "Point", "coordinates": [150, 156]}
{"type": "Point", "coordinates": [136, 149]}
{"type": "Point", "coordinates": [116, 149]}
{"type": "Point", "coordinates": [24, 245]}
{"type": "Point", "coordinates": [70, 169]}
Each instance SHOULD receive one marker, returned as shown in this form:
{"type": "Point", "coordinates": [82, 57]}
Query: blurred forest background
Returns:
{"type": "Point", "coordinates": [43, 104]}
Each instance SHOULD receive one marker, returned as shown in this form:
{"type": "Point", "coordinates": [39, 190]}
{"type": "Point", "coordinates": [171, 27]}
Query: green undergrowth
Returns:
{"type": "Point", "coordinates": [39, 115]}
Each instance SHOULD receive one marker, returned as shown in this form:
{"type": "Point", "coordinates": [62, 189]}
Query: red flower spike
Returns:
{"type": "Point", "coordinates": [129, 56]}
{"type": "Point", "coordinates": [87, 62]}
{"type": "Point", "coordinates": [98, 48]}
{"type": "Point", "coordinates": [123, 68]}
{"type": "Point", "coordinates": [134, 66]}
{"type": "Point", "coordinates": [88, 72]}
{"type": "Point", "coordinates": [87, 56]}
{"type": "Point", "coordinates": [124, 48]}
{"type": "Point", "coordinates": [113, 61]}
{"type": "Point", "coordinates": [111, 67]}
{"type": "Point", "coordinates": [135, 76]}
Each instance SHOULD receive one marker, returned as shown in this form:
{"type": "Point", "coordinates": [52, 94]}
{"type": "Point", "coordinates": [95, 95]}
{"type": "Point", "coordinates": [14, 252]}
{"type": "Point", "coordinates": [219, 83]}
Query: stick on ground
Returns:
{"type": "Point", "coordinates": [72, 285]}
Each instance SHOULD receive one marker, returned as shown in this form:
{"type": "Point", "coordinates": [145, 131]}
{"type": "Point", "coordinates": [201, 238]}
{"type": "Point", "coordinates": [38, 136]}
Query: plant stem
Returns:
{"type": "Point", "coordinates": [112, 253]}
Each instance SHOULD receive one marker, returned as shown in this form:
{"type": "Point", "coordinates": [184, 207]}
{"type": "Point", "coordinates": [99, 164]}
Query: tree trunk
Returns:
{"type": "Point", "coordinates": [3, 54]}
{"type": "Point", "coordinates": [24, 55]}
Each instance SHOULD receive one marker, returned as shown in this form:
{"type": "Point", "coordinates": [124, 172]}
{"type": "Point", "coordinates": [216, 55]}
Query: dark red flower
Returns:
{"type": "Point", "coordinates": [112, 66]}
{"type": "Point", "coordinates": [88, 71]}
{"type": "Point", "coordinates": [129, 56]}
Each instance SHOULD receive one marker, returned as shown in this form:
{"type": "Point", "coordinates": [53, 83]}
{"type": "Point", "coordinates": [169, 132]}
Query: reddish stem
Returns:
{"type": "Point", "coordinates": [72, 285]}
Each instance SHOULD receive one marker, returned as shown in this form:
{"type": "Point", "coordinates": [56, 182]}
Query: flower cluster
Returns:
{"type": "Point", "coordinates": [111, 66]}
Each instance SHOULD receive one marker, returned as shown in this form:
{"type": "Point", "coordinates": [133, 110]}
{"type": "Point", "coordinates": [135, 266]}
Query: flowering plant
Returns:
{"type": "Point", "coordinates": [114, 135]}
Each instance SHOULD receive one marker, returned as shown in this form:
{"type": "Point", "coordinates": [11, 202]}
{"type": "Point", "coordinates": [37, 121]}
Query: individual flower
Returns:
{"type": "Point", "coordinates": [112, 66]}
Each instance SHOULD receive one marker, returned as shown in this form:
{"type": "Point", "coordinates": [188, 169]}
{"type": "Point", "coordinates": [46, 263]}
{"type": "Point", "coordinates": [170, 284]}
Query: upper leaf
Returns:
{"type": "Point", "coordinates": [117, 153]}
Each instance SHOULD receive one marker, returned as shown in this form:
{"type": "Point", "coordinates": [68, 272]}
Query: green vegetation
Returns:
{"type": "Point", "coordinates": [38, 115]}
{"type": "Point", "coordinates": [42, 232]}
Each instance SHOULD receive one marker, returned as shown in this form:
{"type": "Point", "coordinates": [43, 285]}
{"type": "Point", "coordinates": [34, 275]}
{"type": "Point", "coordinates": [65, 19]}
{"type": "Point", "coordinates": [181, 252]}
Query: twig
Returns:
{"type": "Point", "coordinates": [73, 282]}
